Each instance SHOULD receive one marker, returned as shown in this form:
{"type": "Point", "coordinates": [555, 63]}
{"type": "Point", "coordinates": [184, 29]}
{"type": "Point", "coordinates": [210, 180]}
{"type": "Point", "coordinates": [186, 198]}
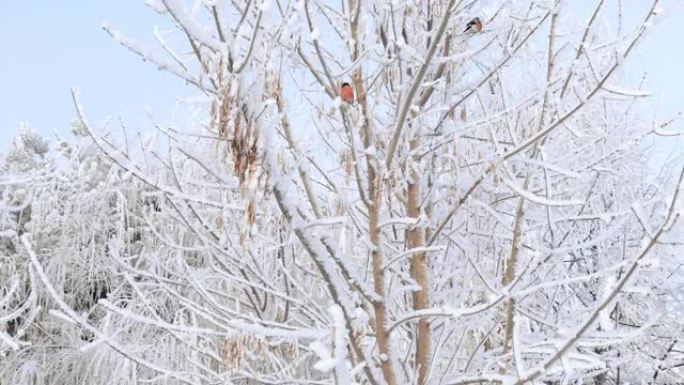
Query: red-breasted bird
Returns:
{"type": "Point", "coordinates": [346, 92]}
{"type": "Point", "coordinates": [474, 25]}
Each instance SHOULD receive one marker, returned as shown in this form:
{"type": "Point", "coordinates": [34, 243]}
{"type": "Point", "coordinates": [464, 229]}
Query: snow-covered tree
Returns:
{"type": "Point", "coordinates": [483, 211]}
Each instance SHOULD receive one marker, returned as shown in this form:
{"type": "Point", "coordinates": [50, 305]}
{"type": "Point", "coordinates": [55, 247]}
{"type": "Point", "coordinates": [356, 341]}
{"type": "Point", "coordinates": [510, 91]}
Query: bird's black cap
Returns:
{"type": "Point", "coordinates": [345, 84]}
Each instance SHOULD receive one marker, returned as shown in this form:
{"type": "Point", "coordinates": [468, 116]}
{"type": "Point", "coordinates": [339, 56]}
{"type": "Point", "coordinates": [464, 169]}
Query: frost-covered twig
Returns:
{"type": "Point", "coordinates": [591, 319]}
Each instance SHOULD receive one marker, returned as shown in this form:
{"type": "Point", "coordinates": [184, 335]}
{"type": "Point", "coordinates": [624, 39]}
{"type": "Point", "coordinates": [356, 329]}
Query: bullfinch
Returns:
{"type": "Point", "coordinates": [474, 25]}
{"type": "Point", "coordinates": [346, 92]}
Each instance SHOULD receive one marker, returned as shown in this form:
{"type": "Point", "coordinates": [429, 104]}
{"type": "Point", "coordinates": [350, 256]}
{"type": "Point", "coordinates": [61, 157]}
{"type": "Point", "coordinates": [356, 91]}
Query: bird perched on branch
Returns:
{"type": "Point", "coordinates": [474, 25]}
{"type": "Point", "coordinates": [346, 92]}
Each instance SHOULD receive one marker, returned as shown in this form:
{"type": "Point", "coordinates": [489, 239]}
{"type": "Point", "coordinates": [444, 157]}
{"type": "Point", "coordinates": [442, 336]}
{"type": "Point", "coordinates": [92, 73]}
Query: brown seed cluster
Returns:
{"type": "Point", "coordinates": [234, 124]}
{"type": "Point", "coordinates": [235, 350]}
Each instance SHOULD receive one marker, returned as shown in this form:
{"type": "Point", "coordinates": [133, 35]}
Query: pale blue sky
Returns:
{"type": "Point", "coordinates": [50, 46]}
